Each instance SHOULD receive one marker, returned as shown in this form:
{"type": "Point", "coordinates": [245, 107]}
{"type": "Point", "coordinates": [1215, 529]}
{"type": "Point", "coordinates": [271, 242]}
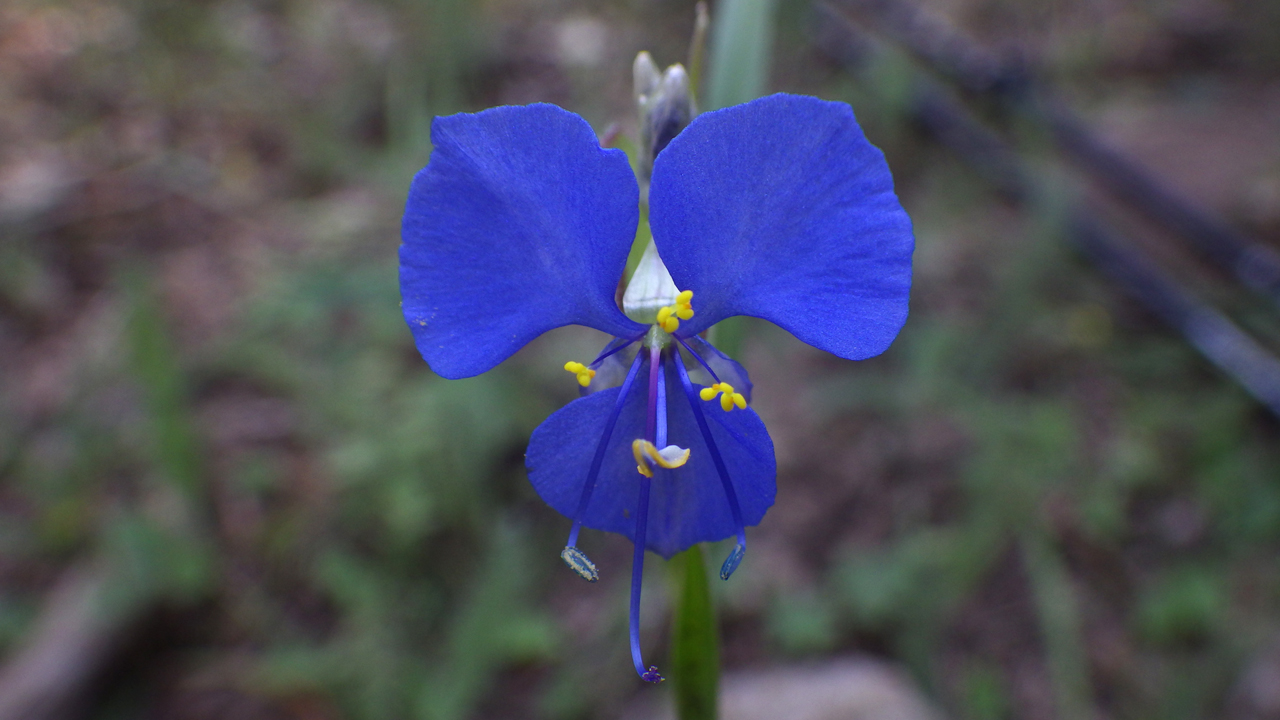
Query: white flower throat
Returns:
{"type": "Point", "coordinates": [650, 289]}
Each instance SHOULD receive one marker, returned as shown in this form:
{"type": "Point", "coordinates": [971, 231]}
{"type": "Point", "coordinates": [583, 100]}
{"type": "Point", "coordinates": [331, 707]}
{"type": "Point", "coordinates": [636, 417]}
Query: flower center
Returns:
{"type": "Point", "coordinates": [669, 316]}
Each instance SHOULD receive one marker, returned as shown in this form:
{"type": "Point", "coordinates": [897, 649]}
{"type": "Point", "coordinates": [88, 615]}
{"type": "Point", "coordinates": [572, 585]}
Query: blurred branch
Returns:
{"type": "Point", "coordinates": [72, 640]}
{"type": "Point", "coordinates": [1207, 329]}
{"type": "Point", "coordinates": [148, 557]}
{"type": "Point", "coordinates": [1015, 85]}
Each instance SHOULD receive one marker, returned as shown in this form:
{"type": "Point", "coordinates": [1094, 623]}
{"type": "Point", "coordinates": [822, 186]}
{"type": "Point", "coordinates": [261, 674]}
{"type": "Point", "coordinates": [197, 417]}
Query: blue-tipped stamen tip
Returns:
{"type": "Point", "coordinates": [580, 563]}
{"type": "Point", "coordinates": [732, 562]}
{"type": "Point", "coordinates": [651, 675]}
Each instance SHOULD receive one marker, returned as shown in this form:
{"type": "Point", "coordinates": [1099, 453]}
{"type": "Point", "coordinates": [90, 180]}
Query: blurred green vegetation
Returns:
{"type": "Point", "coordinates": [208, 394]}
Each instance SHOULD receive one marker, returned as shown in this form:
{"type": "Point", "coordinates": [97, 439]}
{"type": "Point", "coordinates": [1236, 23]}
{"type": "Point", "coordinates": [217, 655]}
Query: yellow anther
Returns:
{"type": "Point", "coordinates": [669, 317]}
{"type": "Point", "coordinates": [648, 454]}
{"type": "Point", "coordinates": [583, 372]}
{"type": "Point", "coordinates": [728, 398]}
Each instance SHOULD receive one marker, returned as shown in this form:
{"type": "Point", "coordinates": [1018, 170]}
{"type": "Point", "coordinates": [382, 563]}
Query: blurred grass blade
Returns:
{"type": "Point", "coordinates": [1060, 624]}
{"type": "Point", "coordinates": [741, 48]}
{"type": "Point", "coordinates": [697, 48]}
{"type": "Point", "coordinates": [695, 640]}
{"type": "Point", "coordinates": [495, 624]}
{"type": "Point", "coordinates": [154, 362]}
{"type": "Point", "coordinates": [408, 117]}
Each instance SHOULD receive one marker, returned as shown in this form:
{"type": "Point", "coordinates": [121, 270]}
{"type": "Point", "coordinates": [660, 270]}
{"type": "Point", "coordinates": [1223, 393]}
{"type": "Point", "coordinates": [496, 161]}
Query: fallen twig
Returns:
{"type": "Point", "coordinates": [1207, 329]}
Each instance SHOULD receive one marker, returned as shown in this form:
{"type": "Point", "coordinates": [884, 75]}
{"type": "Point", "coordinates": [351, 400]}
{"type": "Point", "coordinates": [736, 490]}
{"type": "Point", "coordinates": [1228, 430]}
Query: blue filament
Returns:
{"type": "Point", "coordinates": [649, 674]}
{"type": "Point", "coordinates": [657, 408]}
{"type": "Point", "coordinates": [735, 557]}
{"type": "Point", "coordinates": [660, 435]}
{"type": "Point", "coordinates": [701, 362]}
{"type": "Point", "coordinates": [594, 472]}
{"type": "Point", "coordinates": [615, 345]}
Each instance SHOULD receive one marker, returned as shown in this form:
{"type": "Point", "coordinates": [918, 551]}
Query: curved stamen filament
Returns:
{"type": "Point", "coordinates": [648, 455]}
{"type": "Point", "coordinates": [615, 345]}
{"type": "Point", "coordinates": [650, 673]}
{"type": "Point", "coordinates": [696, 356]}
{"type": "Point", "coordinates": [573, 557]}
{"type": "Point", "coordinates": [735, 557]}
{"type": "Point", "coordinates": [657, 406]}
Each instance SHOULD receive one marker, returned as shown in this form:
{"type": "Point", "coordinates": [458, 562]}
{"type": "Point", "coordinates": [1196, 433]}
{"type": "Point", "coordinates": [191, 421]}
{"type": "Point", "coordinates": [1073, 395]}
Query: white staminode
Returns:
{"type": "Point", "coordinates": [651, 288]}
{"type": "Point", "coordinates": [675, 456]}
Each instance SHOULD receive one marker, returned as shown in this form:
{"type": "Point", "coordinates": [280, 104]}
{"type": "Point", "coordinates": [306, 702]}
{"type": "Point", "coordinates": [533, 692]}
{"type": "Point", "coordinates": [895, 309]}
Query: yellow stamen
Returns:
{"type": "Point", "coordinates": [728, 398]}
{"type": "Point", "coordinates": [584, 373]}
{"type": "Point", "coordinates": [669, 317]}
{"type": "Point", "coordinates": [647, 454]}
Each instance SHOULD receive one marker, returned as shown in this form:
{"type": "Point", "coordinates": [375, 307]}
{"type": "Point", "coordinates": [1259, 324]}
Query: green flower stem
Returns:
{"type": "Point", "coordinates": [695, 639]}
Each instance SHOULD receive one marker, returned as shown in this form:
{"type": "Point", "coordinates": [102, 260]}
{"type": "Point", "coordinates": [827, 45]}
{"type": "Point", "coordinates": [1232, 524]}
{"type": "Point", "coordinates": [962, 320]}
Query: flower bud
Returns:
{"type": "Point", "coordinates": [666, 106]}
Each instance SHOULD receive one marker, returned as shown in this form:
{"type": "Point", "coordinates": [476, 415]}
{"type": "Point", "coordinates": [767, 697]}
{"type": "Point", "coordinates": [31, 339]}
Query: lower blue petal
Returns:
{"type": "Point", "coordinates": [688, 504]}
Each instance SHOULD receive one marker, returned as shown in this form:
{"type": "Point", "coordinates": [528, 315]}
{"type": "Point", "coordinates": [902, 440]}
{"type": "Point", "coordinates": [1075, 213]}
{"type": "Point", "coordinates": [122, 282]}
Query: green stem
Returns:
{"type": "Point", "coordinates": [695, 639]}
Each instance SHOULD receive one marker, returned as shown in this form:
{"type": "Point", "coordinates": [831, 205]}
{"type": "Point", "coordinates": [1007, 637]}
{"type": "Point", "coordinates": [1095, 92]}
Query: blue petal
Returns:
{"type": "Point", "coordinates": [520, 223]}
{"type": "Point", "coordinates": [781, 209]}
{"type": "Point", "coordinates": [688, 504]}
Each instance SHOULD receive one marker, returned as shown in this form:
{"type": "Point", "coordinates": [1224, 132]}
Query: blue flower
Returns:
{"type": "Point", "coordinates": [778, 209]}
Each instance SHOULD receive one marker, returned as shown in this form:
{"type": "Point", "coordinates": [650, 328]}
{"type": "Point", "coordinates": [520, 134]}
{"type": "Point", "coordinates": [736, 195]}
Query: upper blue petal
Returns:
{"type": "Point", "coordinates": [520, 223]}
{"type": "Point", "coordinates": [687, 505]}
{"type": "Point", "coordinates": [781, 209]}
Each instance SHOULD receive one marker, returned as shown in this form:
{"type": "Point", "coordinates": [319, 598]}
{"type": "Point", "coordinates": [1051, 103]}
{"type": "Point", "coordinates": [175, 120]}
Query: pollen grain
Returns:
{"type": "Point", "coordinates": [584, 373]}
{"type": "Point", "coordinates": [728, 398]}
{"type": "Point", "coordinates": [669, 317]}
